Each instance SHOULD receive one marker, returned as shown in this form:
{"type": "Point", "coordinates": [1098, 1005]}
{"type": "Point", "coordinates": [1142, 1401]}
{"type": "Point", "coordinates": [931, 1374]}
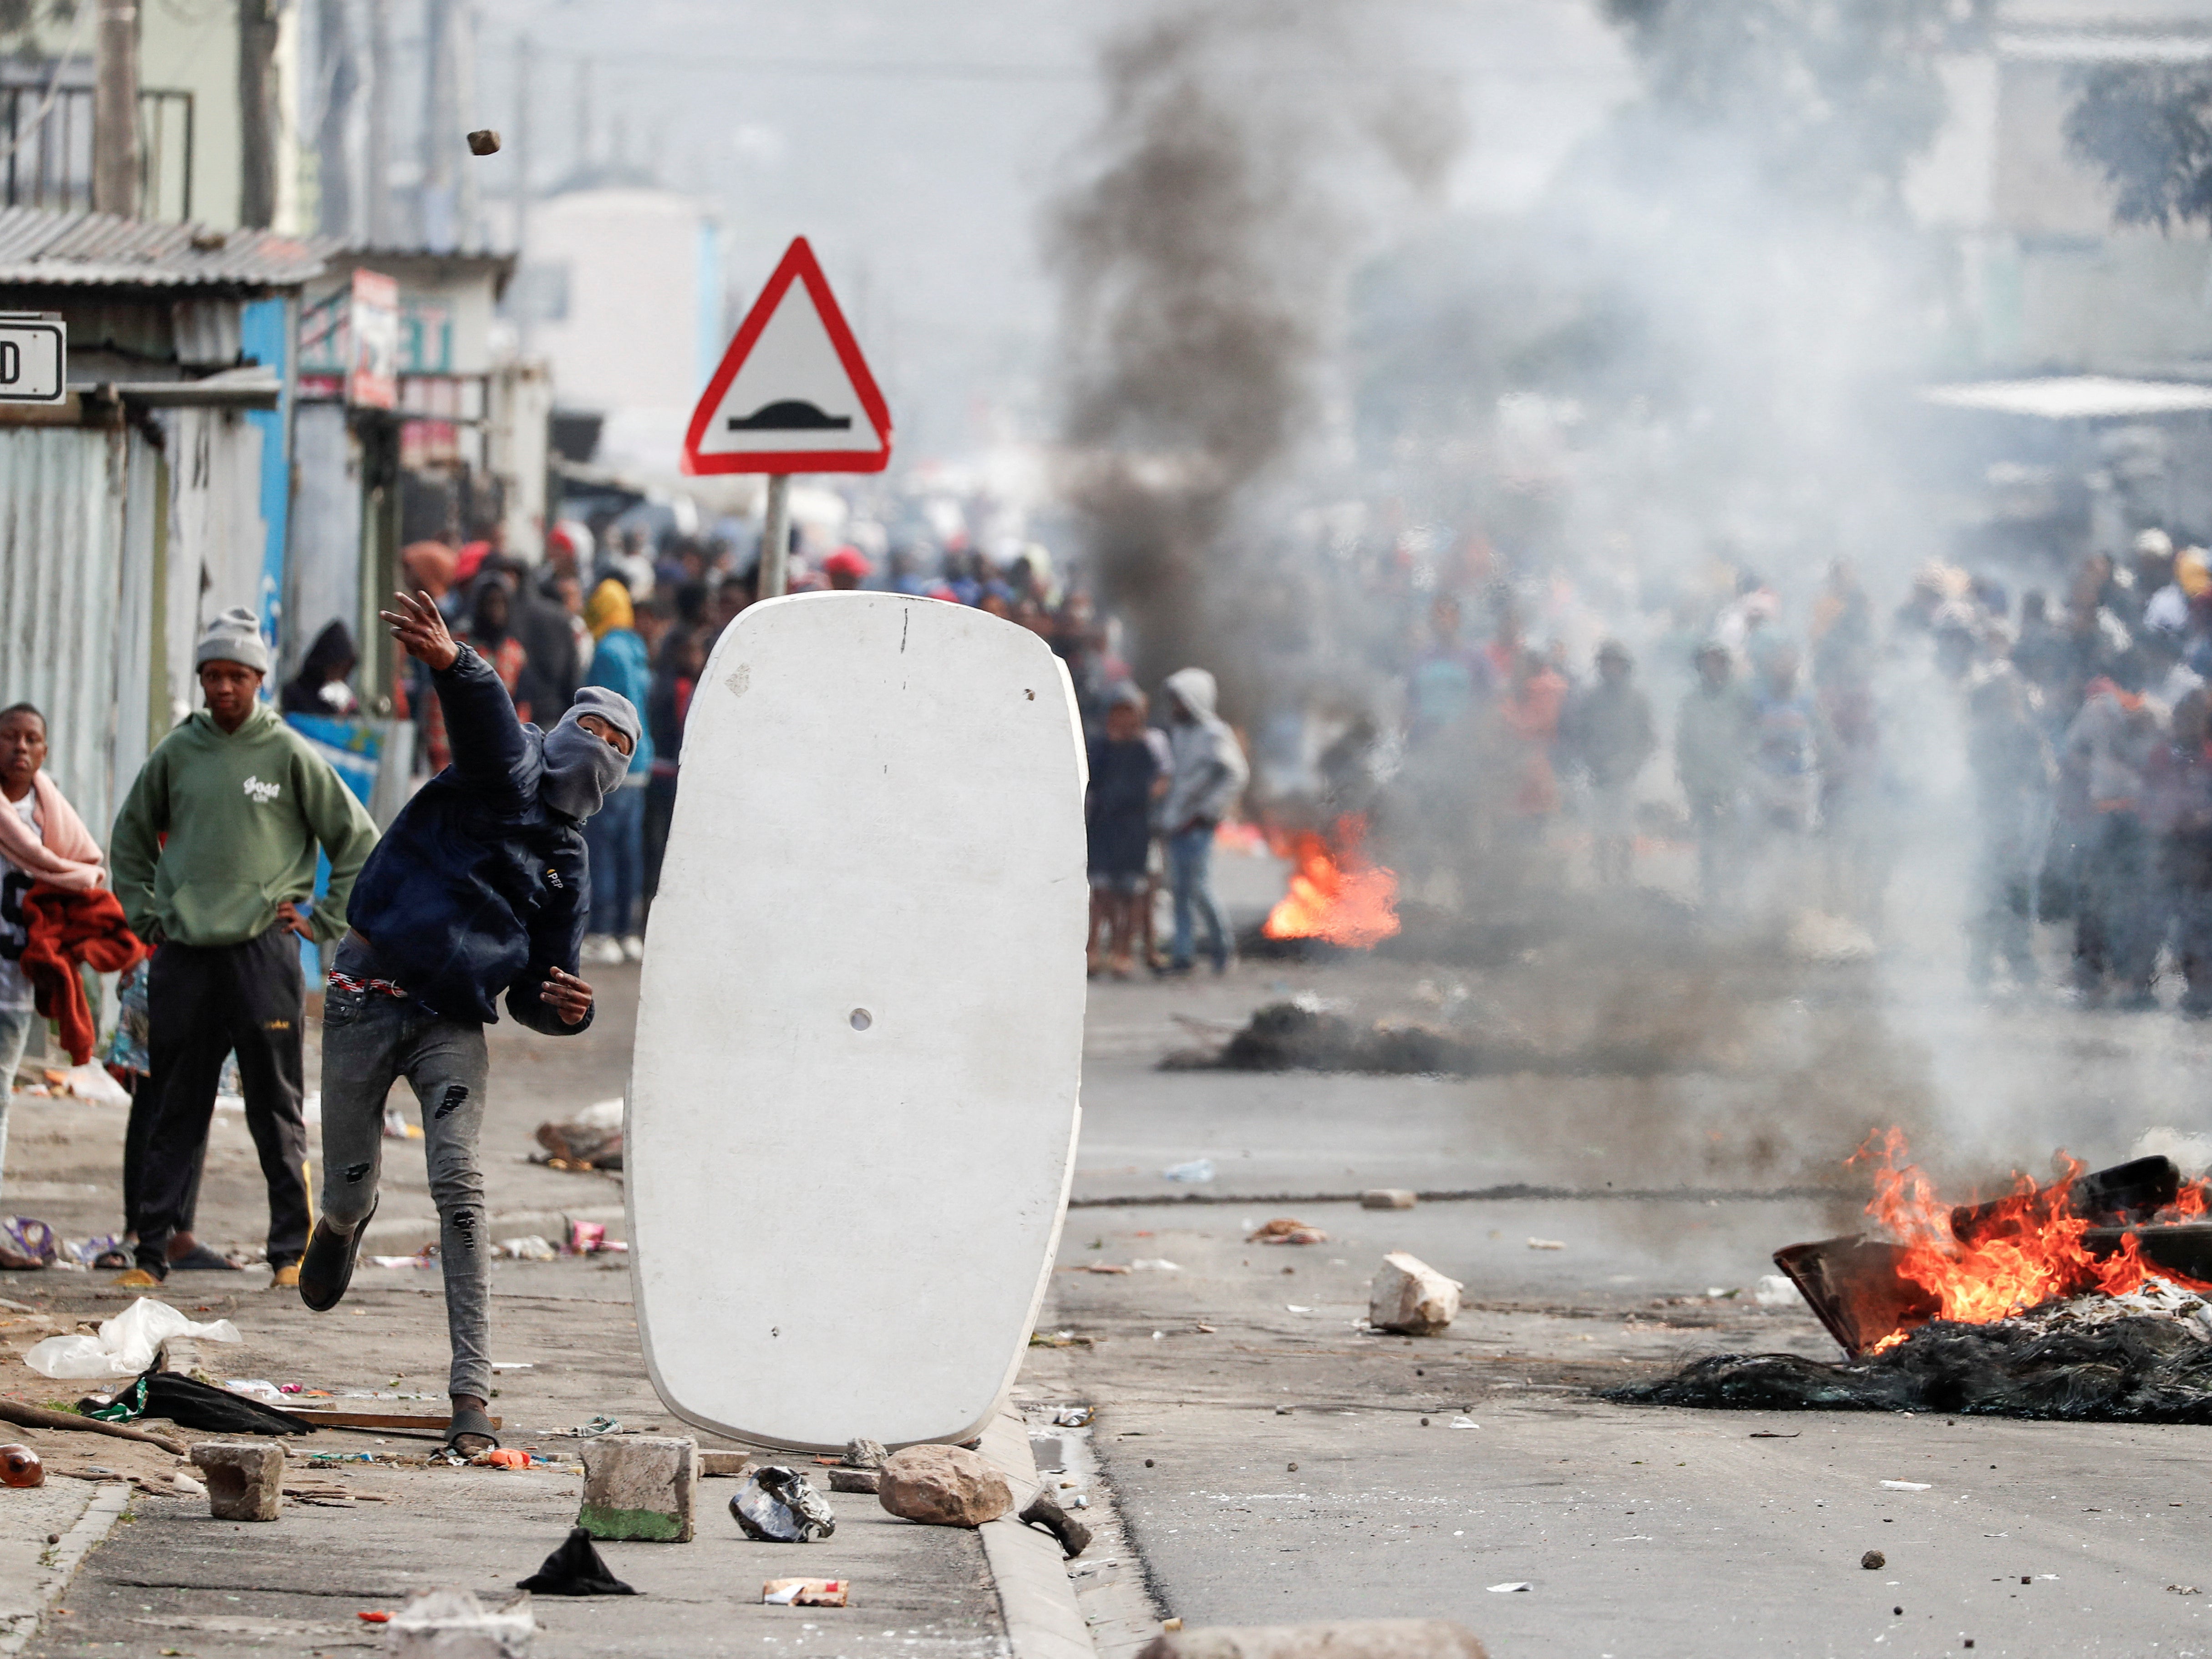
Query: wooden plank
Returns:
{"type": "Point", "coordinates": [332, 1418]}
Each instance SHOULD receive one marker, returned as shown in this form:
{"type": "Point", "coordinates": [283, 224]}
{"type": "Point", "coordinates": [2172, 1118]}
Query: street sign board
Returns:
{"type": "Point", "coordinates": [372, 370]}
{"type": "Point", "coordinates": [34, 359]}
{"type": "Point", "coordinates": [793, 393]}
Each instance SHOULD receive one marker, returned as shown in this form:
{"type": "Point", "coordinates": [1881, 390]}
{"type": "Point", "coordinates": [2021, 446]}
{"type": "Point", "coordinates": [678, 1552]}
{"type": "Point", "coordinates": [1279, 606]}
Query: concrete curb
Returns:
{"type": "Point", "coordinates": [1035, 1595]}
{"type": "Point", "coordinates": [63, 1559]}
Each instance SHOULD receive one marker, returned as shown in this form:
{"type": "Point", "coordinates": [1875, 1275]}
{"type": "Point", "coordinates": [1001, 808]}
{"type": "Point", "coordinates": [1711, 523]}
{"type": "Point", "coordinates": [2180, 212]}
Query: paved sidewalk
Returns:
{"type": "Point", "coordinates": [170, 1578]}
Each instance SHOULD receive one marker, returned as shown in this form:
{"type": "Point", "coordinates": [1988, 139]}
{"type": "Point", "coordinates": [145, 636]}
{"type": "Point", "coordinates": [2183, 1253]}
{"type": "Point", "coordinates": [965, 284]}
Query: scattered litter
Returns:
{"type": "Point", "coordinates": [513, 1365]}
{"type": "Point", "coordinates": [1548, 1244]}
{"type": "Point", "coordinates": [1508, 1590]}
{"type": "Point", "coordinates": [592, 1140]}
{"type": "Point", "coordinates": [1465, 1423]}
{"type": "Point", "coordinates": [1198, 1169]}
{"type": "Point", "coordinates": [1155, 1264]}
{"type": "Point", "coordinates": [575, 1569]}
{"type": "Point", "coordinates": [1098, 1268]}
{"type": "Point", "coordinates": [503, 1457]}
{"type": "Point", "coordinates": [598, 1425]}
{"type": "Point", "coordinates": [126, 1344]}
{"type": "Point", "coordinates": [374, 1616]}
{"type": "Point", "coordinates": [1773, 1434]}
{"type": "Point", "coordinates": [528, 1248]}
{"type": "Point", "coordinates": [1072, 1416]}
{"type": "Point", "coordinates": [449, 1624]}
{"type": "Point", "coordinates": [777, 1506]}
{"type": "Point", "coordinates": [1873, 1560]}
{"type": "Point", "coordinates": [804, 1593]}
{"type": "Point", "coordinates": [1904, 1485]}
{"type": "Point", "coordinates": [1045, 1512]}
{"type": "Point", "coordinates": [19, 1466]}
{"type": "Point", "coordinates": [255, 1387]}
{"type": "Point", "coordinates": [1385, 1198]}
{"type": "Point", "coordinates": [1410, 1297]}
{"type": "Point", "coordinates": [1062, 1340]}
{"type": "Point", "coordinates": [185, 1486]}
{"type": "Point", "coordinates": [586, 1237]}
{"type": "Point", "coordinates": [425, 1257]}
{"type": "Point", "coordinates": [2184, 1590]}
{"type": "Point", "coordinates": [1773, 1290]}
{"type": "Point", "coordinates": [396, 1126]}
{"type": "Point", "coordinates": [1286, 1230]}
{"type": "Point", "coordinates": [92, 1082]}
{"type": "Point", "coordinates": [1294, 1308]}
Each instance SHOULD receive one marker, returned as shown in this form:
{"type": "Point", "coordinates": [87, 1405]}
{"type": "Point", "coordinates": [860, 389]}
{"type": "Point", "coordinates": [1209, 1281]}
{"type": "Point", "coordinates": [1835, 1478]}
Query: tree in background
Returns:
{"type": "Point", "coordinates": [2148, 128]}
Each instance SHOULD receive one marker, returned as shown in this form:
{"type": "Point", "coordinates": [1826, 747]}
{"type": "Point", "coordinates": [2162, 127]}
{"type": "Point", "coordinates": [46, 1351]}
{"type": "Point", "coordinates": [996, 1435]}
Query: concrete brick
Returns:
{"type": "Point", "coordinates": [244, 1478]}
{"type": "Point", "coordinates": [639, 1486]}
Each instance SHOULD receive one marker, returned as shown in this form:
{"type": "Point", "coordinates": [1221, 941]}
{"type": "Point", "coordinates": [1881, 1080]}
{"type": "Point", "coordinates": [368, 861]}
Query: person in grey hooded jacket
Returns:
{"type": "Point", "coordinates": [1204, 780]}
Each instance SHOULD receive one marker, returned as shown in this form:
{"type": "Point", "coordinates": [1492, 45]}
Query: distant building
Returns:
{"type": "Point", "coordinates": [2046, 282]}
{"type": "Point", "coordinates": [621, 292]}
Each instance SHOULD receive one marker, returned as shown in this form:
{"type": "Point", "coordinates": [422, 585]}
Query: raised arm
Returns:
{"type": "Point", "coordinates": [481, 727]}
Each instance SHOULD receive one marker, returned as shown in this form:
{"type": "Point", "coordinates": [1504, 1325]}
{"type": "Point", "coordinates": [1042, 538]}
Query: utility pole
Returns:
{"type": "Point", "coordinates": [256, 112]}
{"type": "Point", "coordinates": [434, 197]}
{"type": "Point", "coordinates": [522, 318]}
{"type": "Point", "coordinates": [115, 110]}
{"type": "Point", "coordinates": [341, 82]}
{"type": "Point", "coordinates": [772, 576]}
{"type": "Point", "coordinates": [382, 233]}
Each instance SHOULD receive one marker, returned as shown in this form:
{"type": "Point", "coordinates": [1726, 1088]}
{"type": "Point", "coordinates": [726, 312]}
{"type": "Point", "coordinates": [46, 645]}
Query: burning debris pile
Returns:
{"type": "Point", "coordinates": [2083, 1299]}
{"type": "Point", "coordinates": [1335, 895]}
{"type": "Point", "coordinates": [1306, 1034]}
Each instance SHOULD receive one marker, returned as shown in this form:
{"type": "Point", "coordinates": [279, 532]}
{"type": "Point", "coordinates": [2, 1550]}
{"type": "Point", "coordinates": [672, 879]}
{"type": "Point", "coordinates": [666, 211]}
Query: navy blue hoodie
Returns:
{"type": "Point", "coordinates": [478, 888]}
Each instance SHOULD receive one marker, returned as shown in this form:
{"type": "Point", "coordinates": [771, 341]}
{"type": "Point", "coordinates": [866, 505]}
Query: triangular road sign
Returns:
{"type": "Point", "coordinates": [793, 393]}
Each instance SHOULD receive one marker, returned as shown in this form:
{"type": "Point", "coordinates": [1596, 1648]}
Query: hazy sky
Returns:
{"type": "Point", "coordinates": [916, 144]}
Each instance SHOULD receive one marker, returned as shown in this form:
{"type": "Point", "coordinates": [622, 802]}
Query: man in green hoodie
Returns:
{"type": "Point", "coordinates": [245, 804]}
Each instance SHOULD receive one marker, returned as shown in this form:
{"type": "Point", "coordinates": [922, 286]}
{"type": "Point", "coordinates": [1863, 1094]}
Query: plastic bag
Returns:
{"type": "Point", "coordinates": [575, 1569]}
{"type": "Point", "coordinates": [777, 1506]}
{"type": "Point", "coordinates": [126, 1344]}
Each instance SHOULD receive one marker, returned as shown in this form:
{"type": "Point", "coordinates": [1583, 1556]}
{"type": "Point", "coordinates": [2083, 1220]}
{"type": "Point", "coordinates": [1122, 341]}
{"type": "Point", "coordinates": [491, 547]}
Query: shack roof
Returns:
{"type": "Point", "coordinates": [42, 249]}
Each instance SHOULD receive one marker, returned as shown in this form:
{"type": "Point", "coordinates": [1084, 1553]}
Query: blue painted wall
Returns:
{"type": "Point", "coordinates": [266, 330]}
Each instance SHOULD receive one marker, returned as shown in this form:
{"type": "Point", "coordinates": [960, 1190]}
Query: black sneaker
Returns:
{"type": "Point", "coordinates": [327, 1268]}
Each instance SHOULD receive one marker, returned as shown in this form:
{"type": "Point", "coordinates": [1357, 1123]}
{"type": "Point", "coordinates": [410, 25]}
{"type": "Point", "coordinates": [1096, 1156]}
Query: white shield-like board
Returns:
{"type": "Point", "coordinates": [852, 1106]}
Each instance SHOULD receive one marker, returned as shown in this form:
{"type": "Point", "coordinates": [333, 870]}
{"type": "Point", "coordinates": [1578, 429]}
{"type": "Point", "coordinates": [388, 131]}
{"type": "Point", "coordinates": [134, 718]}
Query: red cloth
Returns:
{"type": "Point", "coordinates": [67, 929]}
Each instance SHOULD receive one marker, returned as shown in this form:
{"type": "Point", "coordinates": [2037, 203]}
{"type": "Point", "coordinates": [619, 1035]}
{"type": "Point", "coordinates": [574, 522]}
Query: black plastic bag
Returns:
{"type": "Point", "coordinates": [194, 1405]}
{"type": "Point", "coordinates": [575, 1569]}
{"type": "Point", "coordinates": [777, 1506]}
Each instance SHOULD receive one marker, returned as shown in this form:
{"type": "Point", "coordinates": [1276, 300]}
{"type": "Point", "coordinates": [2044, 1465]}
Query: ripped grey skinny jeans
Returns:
{"type": "Point", "coordinates": [370, 1039]}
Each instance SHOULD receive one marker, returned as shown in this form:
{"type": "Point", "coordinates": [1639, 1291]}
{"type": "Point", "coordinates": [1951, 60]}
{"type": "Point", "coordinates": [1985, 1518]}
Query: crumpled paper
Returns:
{"type": "Point", "coordinates": [126, 1344]}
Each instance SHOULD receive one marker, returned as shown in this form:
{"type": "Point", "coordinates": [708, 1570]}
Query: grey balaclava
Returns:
{"type": "Point", "coordinates": [234, 636]}
{"type": "Point", "coordinates": [581, 768]}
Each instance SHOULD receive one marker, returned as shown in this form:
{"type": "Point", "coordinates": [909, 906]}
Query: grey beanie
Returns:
{"type": "Point", "coordinates": [613, 708]}
{"type": "Point", "coordinates": [234, 636]}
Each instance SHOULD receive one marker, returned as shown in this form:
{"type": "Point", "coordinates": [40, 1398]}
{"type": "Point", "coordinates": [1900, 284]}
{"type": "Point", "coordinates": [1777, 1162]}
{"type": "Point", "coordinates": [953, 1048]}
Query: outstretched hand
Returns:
{"type": "Point", "coordinates": [420, 631]}
{"type": "Point", "coordinates": [570, 996]}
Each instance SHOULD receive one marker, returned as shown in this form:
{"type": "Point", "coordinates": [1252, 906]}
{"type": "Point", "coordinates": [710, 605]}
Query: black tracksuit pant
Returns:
{"type": "Point", "coordinates": [201, 1002]}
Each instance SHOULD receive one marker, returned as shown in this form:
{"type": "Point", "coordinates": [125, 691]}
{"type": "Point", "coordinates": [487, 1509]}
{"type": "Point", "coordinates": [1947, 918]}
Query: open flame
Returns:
{"type": "Point", "coordinates": [1335, 895]}
{"type": "Point", "coordinates": [2023, 1248]}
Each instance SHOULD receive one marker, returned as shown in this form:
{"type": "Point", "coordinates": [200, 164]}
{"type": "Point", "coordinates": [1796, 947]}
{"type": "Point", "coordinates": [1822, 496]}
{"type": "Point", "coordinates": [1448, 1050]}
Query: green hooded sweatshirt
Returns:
{"type": "Point", "coordinates": [243, 812]}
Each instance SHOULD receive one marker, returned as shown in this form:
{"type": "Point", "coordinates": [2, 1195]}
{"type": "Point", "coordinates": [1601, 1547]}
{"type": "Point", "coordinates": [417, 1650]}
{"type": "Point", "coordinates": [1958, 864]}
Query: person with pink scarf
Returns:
{"type": "Point", "coordinates": [42, 841]}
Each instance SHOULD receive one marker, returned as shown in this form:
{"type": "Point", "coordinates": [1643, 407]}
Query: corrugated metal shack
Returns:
{"type": "Point", "coordinates": [157, 493]}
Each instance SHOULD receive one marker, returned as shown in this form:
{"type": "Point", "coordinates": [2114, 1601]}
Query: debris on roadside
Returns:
{"type": "Point", "coordinates": [1873, 1560]}
{"type": "Point", "coordinates": [1287, 1230]}
{"type": "Point", "coordinates": [1062, 1340]}
{"type": "Point", "coordinates": [777, 1505]}
{"type": "Point", "coordinates": [861, 1453]}
{"type": "Point", "coordinates": [244, 1478]}
{"type": "Point", "coordinates": [21, 1467]}
{"type": "Point", "coordinates": [944, 1486]}
{"type": "Point", "coordinates": [529, 1247]}
{"type": "Point", "coordinates": [804, 1593]}
{"type": "Point", "coordinates": [1199, 1170]}
{"type": "Point", "coordinates": [575, 1569]}
{"type": "Point", "coordinates": [1548, 1244]}
{"type": "Point", "coordinates": [1410, 1296]}
{"type": "Point", "coordinates": [640, 1487]}
{"type": "Point", "coordinates": [592, 1140]}
{"type": "Point", "coordinates": [1072, 1416]}
{"type": "Point", "coordinates": [1385, 1198]}
{"type": "Point", "coordinates": [1045, 1512]}
{"type": "Point", "coordinates": [1097, 1268]}
{"type": "Point", "coordinates": [126, 1345]}
{"type": "Point", "coordinates": [451, 1624]}
{"type": "Point", "coordinates": [860, 1480]}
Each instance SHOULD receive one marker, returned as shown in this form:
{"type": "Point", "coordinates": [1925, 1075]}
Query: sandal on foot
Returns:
{"type": "Point", "coordinates": [202, 1259]}
{"type": "Point", "coordinates": [327, 1268]}
{"type": "Point", "coordinates": [470, 1420]}
{"type": "Point", "coordinates": [112, 1258]}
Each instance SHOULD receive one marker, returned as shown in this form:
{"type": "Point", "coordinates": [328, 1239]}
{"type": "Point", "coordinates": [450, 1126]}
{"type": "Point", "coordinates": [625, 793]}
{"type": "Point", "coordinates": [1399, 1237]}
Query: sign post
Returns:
{"type": "Point", "coordinates": [792, 394]}
{"type": "Point", "coordinates": [34, 358]}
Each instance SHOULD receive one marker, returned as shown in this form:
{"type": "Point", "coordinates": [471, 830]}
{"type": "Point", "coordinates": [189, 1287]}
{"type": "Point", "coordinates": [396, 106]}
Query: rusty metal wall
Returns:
{"type": "Point", "coordinates": [74, 610]}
